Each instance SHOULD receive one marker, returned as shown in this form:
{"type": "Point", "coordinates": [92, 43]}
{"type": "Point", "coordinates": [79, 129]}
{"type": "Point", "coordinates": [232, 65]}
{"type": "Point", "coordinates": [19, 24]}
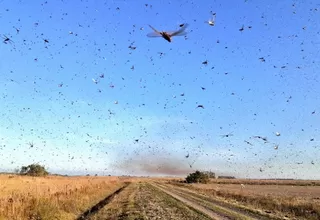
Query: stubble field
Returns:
{"type": "Point", "coordinates": [56, 197]}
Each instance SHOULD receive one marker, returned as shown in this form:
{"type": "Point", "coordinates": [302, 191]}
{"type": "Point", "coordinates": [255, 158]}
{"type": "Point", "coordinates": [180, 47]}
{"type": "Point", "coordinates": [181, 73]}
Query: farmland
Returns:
{"type": "Point", "coordinates": [51, 197]}
{"type": "Point", "coordinates": [122, 109]}
{"type": "Point", "coordinates": [56, 197]}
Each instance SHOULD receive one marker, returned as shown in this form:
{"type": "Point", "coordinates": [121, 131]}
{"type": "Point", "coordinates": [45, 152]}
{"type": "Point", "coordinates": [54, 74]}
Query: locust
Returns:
{"type": "Point", "coordinates": [168, 35]}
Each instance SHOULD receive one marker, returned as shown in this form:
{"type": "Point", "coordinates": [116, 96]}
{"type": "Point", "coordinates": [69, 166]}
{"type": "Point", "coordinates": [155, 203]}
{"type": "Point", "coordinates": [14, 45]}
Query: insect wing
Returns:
{"type": "Point", "coordinates": [154, 34]}
{"type": "Point", "coordinates": [176, 33]}
{"type": "Point", "coordinates": [180, 32]}
{"type": "Point", "coordinates": [155, 30]}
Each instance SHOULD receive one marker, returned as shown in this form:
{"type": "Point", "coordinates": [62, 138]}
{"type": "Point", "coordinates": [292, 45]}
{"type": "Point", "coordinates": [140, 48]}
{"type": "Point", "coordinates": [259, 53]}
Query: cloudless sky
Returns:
{"type": "Point", "coordinates": [141, 117]}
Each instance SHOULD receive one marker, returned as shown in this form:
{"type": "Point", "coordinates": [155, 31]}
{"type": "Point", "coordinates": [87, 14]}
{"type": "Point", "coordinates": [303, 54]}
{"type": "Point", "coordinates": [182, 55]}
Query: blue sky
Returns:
{"type": "Point", "coordinates": [48, 97]}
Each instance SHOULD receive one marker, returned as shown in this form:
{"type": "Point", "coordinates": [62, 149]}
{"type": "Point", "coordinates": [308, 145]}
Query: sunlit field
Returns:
{"type": "Point", "coordinates": [294, 197]}
{"type": "Point", "coordinates": [52, 197]}
{"type": "Point", "coordinates": [129, 109]}
{"type": "Point", "coordinates": [57, 197]}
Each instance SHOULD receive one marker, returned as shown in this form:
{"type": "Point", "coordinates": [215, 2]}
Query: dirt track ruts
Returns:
{"type": "Point", "coordinates": [190, 203]}
{"type": "Point", "coordinates": [210, 207]}
{"type": "Point", "coordinates": [94, 209]}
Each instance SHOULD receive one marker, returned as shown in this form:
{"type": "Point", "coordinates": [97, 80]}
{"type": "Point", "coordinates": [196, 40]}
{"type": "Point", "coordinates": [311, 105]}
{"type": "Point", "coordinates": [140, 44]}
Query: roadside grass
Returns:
{"type": "Point", "coordinates": [51, 197]}
{"type": "Point", "coordinates": [289, 206]}
{"type": "Point", "coordinates": [122, 206]}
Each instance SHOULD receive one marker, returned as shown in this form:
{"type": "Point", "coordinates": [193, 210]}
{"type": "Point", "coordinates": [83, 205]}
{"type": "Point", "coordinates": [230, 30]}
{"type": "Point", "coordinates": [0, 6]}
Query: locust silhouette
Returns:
{"type": "Point", "coordinates": [168, 35]}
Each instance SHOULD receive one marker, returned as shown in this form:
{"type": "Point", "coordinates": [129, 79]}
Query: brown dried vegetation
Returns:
{"type": "Point", "coordinates": [291, 198]}
{"type": "Point", "coordinates": [24, 197]}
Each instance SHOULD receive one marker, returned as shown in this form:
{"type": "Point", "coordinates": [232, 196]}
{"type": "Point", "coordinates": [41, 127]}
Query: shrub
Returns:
{"type": "Point", "coordinates": [34, 170]}
{"type": "Point", "coordinates": [197, 177]}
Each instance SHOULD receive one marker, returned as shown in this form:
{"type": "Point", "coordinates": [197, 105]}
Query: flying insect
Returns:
{"type": "Point", "coordinates": [168, 35]}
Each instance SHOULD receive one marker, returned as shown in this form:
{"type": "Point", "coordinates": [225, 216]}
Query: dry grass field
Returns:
{"type": "Point", "coordinates": [52, 197]}
{"type": "Point", "coordinates": [267, 182]}
{"type": "Point", "coordinates": [293, 198]}
{"type": "Point", "coordinates": [57, 197]}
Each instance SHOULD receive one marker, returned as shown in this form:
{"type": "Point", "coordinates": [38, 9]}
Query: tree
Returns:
{"type": "Point", "coordinates": [34, 170]}
{"type": "Point", "coordinates": [197, 177]}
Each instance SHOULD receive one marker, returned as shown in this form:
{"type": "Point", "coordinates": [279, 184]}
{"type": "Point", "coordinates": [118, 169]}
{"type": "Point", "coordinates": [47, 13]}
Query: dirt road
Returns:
{"type": "Point", "coordinates": [150, 200]}
{"type": "Point", "coordinates": [145, 201]}
{"type": "Point", "coordinates": [214, 208]}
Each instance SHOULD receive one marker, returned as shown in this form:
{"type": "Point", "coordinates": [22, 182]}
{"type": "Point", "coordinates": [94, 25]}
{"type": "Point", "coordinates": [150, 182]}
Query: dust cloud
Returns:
{"type": "Point", "coordinates": [155, 165]}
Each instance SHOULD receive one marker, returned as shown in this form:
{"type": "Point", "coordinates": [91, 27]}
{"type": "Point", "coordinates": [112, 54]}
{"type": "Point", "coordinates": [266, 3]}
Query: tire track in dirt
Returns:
{"type": "Point", "coordinates": [242, 209]}
{"type": "Point", "coordinates": [217, 209]}
{"type": "Point", "coordinates": [94, 209]}
{"type": "Point", "coordinates": [188, 202]}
